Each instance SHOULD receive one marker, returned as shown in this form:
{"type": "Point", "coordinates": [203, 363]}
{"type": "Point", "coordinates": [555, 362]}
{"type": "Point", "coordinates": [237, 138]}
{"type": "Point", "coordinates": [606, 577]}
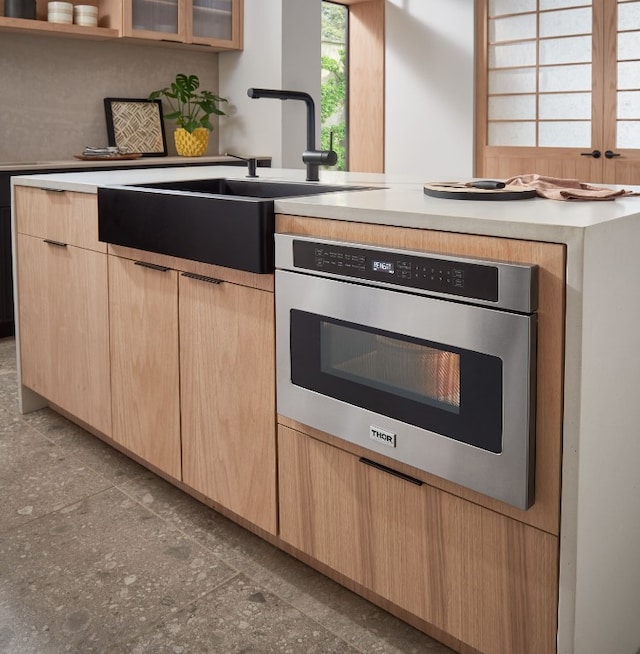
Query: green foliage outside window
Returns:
{"type": "Point", "coordinates": [334, 81]}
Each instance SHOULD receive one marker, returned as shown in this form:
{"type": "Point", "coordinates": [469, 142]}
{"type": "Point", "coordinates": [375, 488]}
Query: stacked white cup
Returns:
{"type": "Point", "coordinates": [60, 12]}
{"type": "Point", "coordinates": [86, 15]}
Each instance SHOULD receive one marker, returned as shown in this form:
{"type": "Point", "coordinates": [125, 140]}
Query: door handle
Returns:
{"type": "Point", "coordinates": [152, 266]}
{"type": "Point", "coordinates": [202, 278]}
{"type": "Point", "coordinates": [390, 471]}
{"type": "Point", "coordinates": [610, 155]}
{"type": "Point", "coordinates": [60, 244]}
{"type": "Point", "coordinates": [596, 154]}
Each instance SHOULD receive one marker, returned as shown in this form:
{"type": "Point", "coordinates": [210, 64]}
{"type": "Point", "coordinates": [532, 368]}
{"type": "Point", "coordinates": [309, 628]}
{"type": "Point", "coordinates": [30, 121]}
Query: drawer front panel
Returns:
{"type": "Point", "coordinates": [63, 216]}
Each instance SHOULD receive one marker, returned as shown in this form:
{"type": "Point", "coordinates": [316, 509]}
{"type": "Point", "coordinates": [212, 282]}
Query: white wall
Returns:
{"type": "Point", "coordinates": [281, 51]}
{"type": "Point", "coordinates": [429, 84]}
{"type": "Point", "coordinates": [429, 107]}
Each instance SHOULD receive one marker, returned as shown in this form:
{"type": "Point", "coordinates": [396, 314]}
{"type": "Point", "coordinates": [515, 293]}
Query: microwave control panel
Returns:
{"type": "Point", "coordinates": [467, 280]}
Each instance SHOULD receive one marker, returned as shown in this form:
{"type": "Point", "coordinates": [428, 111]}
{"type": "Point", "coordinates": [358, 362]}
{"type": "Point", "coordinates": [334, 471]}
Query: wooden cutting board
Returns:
{"type": "Point", "coordinates": [462, 191]}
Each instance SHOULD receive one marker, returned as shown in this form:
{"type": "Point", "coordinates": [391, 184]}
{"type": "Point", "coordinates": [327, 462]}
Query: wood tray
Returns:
{"type": "Point", "coordinates": [115, 157]}
{"type": "Point", "coordinates": [461, 191]}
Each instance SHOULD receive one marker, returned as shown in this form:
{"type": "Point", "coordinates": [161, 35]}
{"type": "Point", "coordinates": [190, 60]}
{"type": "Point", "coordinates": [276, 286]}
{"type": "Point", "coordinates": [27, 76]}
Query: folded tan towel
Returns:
{"type": "Point", "coordinates": [557, 188]}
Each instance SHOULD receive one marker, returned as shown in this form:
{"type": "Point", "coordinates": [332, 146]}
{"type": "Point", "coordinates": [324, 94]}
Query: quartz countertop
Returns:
{"type": "Point", "coordinates": [390, 200]}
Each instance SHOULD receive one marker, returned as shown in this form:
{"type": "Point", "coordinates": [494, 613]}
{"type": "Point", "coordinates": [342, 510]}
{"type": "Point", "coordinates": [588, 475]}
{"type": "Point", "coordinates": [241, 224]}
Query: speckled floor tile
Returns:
{"type": "Point", "coordinates": [96, 573]}
{"type": "Point", "coordinates": [348, 616]}
{"type": "Point", "coordinates": [74, 440]}
{"type": "Point", "coordinates": [37, 476]}
{"type": "Point", "coordinates": [8, 375]}
{"type": "Point", "coordinates": [97, 554]}
{"type": "Point", "coordinates": [237, 618]}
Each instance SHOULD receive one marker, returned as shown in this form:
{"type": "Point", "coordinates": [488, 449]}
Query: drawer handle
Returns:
{"type": "Point", "coordinates": [52, 190]}
{"type": "Point", "coordinates": [58, 243]}
{"type": "Point", "coordinates": [391, 471]}
{"type": "Point", "coordinates": [202, 278]}
{"type": "Point", "coordinates": [153, 266]}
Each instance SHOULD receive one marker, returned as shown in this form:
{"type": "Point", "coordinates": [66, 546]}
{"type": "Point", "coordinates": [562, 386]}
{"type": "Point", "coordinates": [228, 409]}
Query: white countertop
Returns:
{"type": "Point", "coordinates": [393, 200]}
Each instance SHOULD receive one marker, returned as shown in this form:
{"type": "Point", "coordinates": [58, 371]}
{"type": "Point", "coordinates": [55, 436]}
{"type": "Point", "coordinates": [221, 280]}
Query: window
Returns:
{"type": "Point", "coordinates": [540, 73]}
{"type": "Point", "coordinates": [333, 102]}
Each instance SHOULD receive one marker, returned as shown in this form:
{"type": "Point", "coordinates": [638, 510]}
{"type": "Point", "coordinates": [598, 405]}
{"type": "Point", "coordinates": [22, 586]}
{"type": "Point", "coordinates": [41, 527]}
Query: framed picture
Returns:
{"type": "Point", "coordinates": [136, 126]}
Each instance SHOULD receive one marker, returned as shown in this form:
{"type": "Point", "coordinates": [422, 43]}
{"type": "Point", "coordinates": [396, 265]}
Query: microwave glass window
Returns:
{"type": "Point", "coordinates": [411, 370]}
{"type": "Point", "coordinates": [447, 390]}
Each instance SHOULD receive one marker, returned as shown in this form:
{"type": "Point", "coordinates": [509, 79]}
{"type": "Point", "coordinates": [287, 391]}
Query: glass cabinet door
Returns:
{"type": "Point", "coordinates": [216, 22]}
{"type": "Point", "coordinates": [159, 16]}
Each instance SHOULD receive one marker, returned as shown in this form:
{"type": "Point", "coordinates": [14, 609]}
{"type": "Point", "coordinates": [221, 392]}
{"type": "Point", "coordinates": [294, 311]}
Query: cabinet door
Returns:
{"type": "Point", "coordinates": [486, 579]}
{"type": "Point", "coordinates": [215, 22]}
{"type": "Point", "coordinates": [227, 374]}
{"type": "Point", "coordinates": [154, 19]}
{"type": "Point", "coordinates": [64, 337]}
{"type": "Point", "coordinates": [143, 312]}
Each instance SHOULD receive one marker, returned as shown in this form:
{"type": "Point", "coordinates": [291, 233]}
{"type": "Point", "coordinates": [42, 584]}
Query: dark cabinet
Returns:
{"type": "Point", "coordinates": [6, 287]}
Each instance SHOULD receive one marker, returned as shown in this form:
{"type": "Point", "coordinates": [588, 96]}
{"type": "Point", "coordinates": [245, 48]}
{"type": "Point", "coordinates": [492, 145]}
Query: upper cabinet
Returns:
{"type": "Point", "coordinates": [215, 24]}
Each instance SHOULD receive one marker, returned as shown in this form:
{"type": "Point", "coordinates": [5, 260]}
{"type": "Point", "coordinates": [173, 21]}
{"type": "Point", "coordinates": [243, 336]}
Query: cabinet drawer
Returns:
{"type": "Point", "coordinates": [486, 579]}
{"type": "Point", "coordinates": [63, 216]}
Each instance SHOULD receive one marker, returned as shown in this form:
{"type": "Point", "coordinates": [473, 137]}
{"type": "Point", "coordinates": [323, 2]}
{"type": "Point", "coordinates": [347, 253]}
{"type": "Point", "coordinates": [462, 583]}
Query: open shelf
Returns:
{"type": "Point", "coordinates": [25, 25]}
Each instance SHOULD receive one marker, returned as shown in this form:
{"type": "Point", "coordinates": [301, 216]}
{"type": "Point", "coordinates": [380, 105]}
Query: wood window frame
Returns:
{"type": "Point", "coordinates": [366, 93]}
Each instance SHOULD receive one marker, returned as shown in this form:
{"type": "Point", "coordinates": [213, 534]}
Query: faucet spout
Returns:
{"type": "Point", "coordinates": [251, 162]}
{"type": "Point", "coordinates": [311, 157]}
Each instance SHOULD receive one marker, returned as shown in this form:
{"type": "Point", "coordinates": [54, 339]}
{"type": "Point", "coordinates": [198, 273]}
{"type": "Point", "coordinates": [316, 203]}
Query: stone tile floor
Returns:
{"type": "Point", "coordinates": [97, 554]}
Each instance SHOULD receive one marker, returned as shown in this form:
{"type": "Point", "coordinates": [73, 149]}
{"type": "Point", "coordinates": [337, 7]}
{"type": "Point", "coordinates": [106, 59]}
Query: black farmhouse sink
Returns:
{"type": "Point", "coordinates": [227, 222]}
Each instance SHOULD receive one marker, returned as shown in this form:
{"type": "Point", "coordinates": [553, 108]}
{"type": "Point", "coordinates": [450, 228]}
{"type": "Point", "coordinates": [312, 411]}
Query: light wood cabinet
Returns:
{"type": "Point", "coordinates": [143, 317]}
{"type": "Point", "coordinates": [193, 376]}
{"type": "Point", "coordinates": [62, 287]}
{"type": "Point", "coordinates": [479, 576]}
{"type": "Point", "coordinates": [227, 377]}
{"type": "Point", "coordinates": [216, 24]}
{"type": "Point", "coordinates": [468, 566]}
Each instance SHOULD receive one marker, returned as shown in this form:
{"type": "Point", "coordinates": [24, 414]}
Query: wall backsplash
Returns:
{"type": "Point", "coordinates": [51, 105]}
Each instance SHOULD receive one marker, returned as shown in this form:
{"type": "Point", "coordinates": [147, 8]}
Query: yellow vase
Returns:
{"type": "Point", "coordinates": [191, 145]}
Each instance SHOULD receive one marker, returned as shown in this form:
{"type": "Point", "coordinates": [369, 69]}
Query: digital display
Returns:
{"type": "Point", "coordinates": [383, 266]}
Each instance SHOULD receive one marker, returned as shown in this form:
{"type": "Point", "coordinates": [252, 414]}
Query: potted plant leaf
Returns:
{"type": "Point", "coordinates": [191, 108]}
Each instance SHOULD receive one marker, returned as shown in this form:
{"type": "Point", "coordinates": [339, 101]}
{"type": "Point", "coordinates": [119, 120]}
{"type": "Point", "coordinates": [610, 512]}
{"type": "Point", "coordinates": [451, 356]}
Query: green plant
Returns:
{"type": "Point", "coordinates": [190, 107]}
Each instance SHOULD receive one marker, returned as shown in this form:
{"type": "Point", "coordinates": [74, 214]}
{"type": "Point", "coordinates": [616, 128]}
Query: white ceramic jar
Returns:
{"type": "Point", "coordinates": [86, 15]}
{"type": "Point", "coordinates": [60, 12]}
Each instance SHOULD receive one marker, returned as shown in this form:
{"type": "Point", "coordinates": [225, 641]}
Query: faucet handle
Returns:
{"type": "Point", "coordinates": [322, 157]}
{"type": "Point", "coordinates": [332, 156]}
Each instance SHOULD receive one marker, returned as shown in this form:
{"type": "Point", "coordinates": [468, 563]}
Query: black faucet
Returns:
{"type": "Point", "coordinates": [252, 162]}
{"type": "Point", "coordinates": [312, 157]}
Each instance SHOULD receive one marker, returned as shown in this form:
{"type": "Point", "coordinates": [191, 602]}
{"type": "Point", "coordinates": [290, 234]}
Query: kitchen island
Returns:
{"type": "Point", "coordinates": [597, 590]}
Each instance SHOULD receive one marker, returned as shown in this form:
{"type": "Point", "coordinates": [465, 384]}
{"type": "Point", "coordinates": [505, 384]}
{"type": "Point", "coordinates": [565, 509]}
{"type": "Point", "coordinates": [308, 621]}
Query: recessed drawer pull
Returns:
{"type": "Point", "coordinates": [52, 190]}
{"type": "Point", "coordinates": [153, 266]}
{"type": "Point", "coordinates": [391, 471]}
{"type": "Point", "coordinates": [202, 278]}
{"type": "Point", "coordinates": [58, 243]}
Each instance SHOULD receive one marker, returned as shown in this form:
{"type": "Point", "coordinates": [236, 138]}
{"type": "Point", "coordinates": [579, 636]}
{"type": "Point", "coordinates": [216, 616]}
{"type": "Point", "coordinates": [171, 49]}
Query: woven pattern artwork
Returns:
{"type": "Point", "coordinates": [136, 125]}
